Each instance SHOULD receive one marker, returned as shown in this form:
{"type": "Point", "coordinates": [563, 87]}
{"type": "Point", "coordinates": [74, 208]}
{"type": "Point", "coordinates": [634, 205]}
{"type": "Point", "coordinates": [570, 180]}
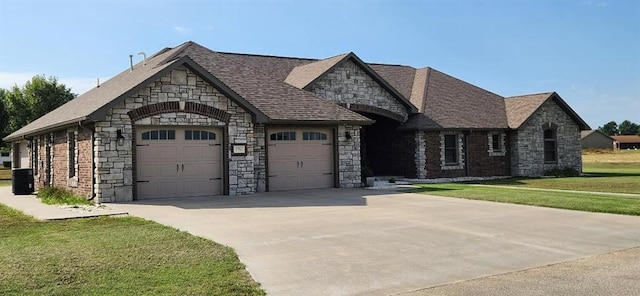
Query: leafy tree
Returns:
{"type": "Point", "coordinates": [4, 117]}
{"type": "Point", "coordinates": [611, 128]}
{"type": "Point", "coordinates": [628, 128]}
{"type": "Point", "coordinates": [39, 96]}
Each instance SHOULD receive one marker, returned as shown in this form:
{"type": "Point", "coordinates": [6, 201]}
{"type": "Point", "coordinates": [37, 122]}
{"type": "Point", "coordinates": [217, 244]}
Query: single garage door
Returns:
{"type": "Point", "coordinates": [178, 162]}
{"type": "Point", "coordinates": [300, 159]}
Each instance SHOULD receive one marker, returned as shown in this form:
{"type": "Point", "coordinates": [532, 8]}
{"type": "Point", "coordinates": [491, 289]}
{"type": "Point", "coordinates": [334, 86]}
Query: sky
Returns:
{"type": "Point", "coordinates": [588, 51]}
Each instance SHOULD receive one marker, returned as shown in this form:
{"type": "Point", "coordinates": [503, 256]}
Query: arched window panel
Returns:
{"type": "Point", "coordinates": [159, 135]}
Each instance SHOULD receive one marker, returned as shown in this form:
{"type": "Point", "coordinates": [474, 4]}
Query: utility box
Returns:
{"type": "Point", "coordinates": [22, 181]}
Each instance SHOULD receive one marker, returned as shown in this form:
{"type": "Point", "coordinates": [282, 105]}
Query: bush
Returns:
{"type": "Point", "coordinates": [54, 195]}
{"type": "Point", "coordinates": [6, 164]}
{"type": "Point", "coordinates": [562, 172]}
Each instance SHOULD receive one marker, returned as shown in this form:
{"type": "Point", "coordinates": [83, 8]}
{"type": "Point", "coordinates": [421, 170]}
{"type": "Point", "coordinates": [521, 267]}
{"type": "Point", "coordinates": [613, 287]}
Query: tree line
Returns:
{"type": "Point", "coordinates": [624, 128]}
{"type": "Point", "coordinates": [22, 105]}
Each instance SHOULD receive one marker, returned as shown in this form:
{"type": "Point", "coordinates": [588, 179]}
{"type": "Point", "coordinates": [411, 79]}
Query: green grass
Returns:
{"type": "Point", "coordinates": [600, 177]}
{"type": "Point", "coordinates": [54, 195]}
{"type": "Point", "coordinates": [561, 200]}
{"type": "Point", "coordinates": [113, 256]}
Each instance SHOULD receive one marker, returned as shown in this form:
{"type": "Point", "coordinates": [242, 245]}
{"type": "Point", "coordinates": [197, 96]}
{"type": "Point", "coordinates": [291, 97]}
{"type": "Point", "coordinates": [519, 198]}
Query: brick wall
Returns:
{"type": "Point", "coordinates": [527, 143]}
{"type": "Point", "coordinates": [475, 158]}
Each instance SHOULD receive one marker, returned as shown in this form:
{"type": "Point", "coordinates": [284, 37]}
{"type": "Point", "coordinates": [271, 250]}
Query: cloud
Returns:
{"type": "Point", "coordinates": [181, 30]}
{"type": "Point", "coordinates": [78, 85]}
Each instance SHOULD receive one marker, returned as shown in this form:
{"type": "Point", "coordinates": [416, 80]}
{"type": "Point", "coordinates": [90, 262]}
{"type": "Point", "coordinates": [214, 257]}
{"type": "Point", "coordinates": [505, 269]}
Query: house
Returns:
{"type": "Point", "coordinates": [627, 141]}
{"type": "Point", "coordinates": [596, 139]}
{"type": "Point", "coordinates": [189, 121]}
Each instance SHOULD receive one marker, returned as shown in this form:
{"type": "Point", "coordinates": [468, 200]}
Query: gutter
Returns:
{"type": "Point", "coordinates": [93, 160]}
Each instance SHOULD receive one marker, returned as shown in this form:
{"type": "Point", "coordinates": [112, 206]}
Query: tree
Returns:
{"type": "Point", "coordinates": [628, 128]}
{"type": "Point", "coordinates": [611, 128]}
{"type": "Point", "coordinates": [4, 117]}
{"type": "Point", "coordinates": [39, 96]}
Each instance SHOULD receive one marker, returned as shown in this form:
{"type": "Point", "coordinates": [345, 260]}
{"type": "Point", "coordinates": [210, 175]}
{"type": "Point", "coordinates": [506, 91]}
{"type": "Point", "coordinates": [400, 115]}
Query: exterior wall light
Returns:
{"type": "Point", "coordinates": [120, 137]}
{"type": "Point", "coordinates": [347, 135]}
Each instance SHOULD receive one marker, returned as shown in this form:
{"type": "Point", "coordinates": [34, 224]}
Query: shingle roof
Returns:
{"type": "Point", "coordinates": [279, 101]}
{"type": "Point", "coordinates": [400, 77]}
{"type": "Point", "coordinates": [82, 107]}
{"type": "Point", "coordinates": [451, 103]}
{"type": "Point", "coordinates": [627, 138]}
{"type": "Point", "coordinates": [273, 66]}
{"type": "Point", "coordinates": [303, 75]}
{"type": "Point", "coordinates": [520, 108]}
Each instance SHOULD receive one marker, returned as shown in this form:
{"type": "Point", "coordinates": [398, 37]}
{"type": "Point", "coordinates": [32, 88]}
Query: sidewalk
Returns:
{"type": "Point", "coordinates": [31, 205]}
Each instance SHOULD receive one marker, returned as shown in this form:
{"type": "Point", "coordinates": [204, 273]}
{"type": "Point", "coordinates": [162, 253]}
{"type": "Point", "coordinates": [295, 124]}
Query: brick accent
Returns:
{"type": "Point", "coordinates": [527, 145]}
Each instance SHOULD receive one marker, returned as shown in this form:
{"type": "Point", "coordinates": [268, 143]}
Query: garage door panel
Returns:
{"type": "Point", "coordinates": [178, 166]}
{"type": "Point", "coordinates": [303, 163]}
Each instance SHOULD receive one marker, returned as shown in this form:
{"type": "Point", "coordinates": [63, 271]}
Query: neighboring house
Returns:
{"type": "Point", "coordinates": [596, 139]}
{"type": "Point", "coordinates": [5, 156]}
{"type": "Point", "coordinates": [190, 121]}
{"type": "Point", "coordinates": [627, 141]}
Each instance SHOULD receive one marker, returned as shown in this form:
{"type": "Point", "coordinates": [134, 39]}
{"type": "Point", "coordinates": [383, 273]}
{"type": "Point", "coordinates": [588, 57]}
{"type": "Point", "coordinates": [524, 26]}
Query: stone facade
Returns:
{"type": "Point", "coordinates": [349, 166]}
{"type": "Point", "coordinates": [348, 84]}
{"type": "Point", "coordinates": [527, 145]}
{"type": "Point", "coordinates": [115, 164]}
{"type": "Point", "coordinates": [420, 155]}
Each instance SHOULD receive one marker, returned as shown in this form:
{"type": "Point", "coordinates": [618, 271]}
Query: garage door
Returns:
{"type": "Point", "coordinates": [300, 159]}
{"type": "Point", "coordinates": [178, 162]}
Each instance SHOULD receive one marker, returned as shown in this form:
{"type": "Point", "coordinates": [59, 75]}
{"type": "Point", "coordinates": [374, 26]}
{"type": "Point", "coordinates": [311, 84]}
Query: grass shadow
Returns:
{"type": "Point", "coordinates": [429, 189]}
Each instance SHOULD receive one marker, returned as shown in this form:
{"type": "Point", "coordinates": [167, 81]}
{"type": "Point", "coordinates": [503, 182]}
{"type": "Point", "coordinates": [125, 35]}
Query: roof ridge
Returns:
{"type": "Point", "coordinates": [531, 95]}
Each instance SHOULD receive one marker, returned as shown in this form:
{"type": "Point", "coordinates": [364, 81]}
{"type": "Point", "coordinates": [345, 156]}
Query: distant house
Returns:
{"type": "Point", "coordinates": [190, 121]}
{"type": "Point", "coordinates": [627, 142]}
{"type": "Point", "coordinates": [596, 139]}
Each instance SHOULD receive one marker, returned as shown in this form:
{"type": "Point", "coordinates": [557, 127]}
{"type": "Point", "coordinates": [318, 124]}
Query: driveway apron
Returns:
{"type": "Point", "coordinates": [365, 242]}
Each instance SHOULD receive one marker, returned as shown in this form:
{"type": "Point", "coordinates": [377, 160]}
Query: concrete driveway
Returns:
{"type": "Point", "coordinates": [362, 242]}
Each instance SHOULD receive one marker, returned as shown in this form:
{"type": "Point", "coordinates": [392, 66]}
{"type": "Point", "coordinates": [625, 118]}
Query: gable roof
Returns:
{"type": "Point", "coordinates": [450, 103]}
{"type": "Point", "coordinates": [584, 134]}
{"type": "Point", "coordinates": [520, 108]}
{"type": "Point", "coordinates": [260, 94]}
{"type": "Point", "coordinates": [304, 75]}
{"type": "Point", "coordinates": [627, 138]}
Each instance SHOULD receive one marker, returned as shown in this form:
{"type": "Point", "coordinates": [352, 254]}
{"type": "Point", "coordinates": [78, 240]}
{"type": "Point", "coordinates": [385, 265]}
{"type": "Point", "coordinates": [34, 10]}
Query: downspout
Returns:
{"type": "Point", "coordinates": [93, 161]}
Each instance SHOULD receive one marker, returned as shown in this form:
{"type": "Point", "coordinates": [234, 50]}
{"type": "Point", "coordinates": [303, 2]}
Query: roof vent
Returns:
{"type": "Point", "coordinates": [131, 61]}
{"type": "Point", "coordinates": [144, 58]}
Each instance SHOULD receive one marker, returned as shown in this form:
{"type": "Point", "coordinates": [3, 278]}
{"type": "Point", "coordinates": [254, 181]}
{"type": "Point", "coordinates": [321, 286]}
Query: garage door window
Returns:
{"type": "Point", "coordinates": [199, 135]}
{"type": "Point", "coordinates": [314, 136]}
{"type": "Point", "coordinates": [159, 135]}
{"type": "Point", "coordinates": [283, 136]}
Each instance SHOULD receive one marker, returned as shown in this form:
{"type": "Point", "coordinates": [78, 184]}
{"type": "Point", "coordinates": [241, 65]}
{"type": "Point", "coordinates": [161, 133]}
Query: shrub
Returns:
{"type": "Point", "coordinates": [562, 172]}
{"type": "Point", "coordinates": [392, 180]}
{"type": "Point", "coordinates": [54, 195]}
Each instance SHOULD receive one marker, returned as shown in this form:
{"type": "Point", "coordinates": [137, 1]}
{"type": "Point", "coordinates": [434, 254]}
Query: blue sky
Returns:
{"type": "Point", "coordinates": [586, 50]}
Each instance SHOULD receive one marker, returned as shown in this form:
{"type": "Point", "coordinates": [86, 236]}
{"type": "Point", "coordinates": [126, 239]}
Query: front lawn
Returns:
{"type": "Point", "coordinates": [5, 176]}
{"type": "Point", "coordinates": [561, 200]}
{"type": "Point", "coordinates": [113, 256]}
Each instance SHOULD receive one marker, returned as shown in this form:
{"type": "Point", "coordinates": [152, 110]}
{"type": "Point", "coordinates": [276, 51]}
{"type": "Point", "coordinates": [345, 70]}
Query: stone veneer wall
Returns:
{"type": "Point", "coordinates": [115, 164]}
{"type": "Point", "coordinates": [527, 143]}
{"type": "Point", "coordinates": [420, 155]}
{"type": "Point", "coordinates": [349, 167]}
{"type": "Point", "coordinates": [347, 83]}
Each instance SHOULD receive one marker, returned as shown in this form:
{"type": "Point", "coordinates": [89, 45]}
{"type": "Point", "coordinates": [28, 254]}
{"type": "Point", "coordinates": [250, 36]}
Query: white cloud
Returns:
{"type": "Point", "coordinates": [78, 85]}
{"type": "Point", "coordinates": [180, 30]}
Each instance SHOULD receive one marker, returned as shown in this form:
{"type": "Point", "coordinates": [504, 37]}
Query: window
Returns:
{"type": "Point", "coordinates": [199, 135]}
{"type": "Point", "coordinates": [550, 145]}
{"type": "Point", "coordinates": [451, 149]}
{"type": "Point", "coordinates": [283, 136]}
{"type": "Point", "coordinates": [72, 154]}
{"type": "Point", "coordinates": [313, 136]}
{"type": "Point", "coordinates": [496, 144]}
{"type": "Point", "coordinates": [159, 135]}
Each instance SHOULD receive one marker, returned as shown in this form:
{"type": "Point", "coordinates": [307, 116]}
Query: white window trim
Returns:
{"type": "Point", "coordinates": [446, 166]}
{"type": "Point", "coordinates": [499, 152]}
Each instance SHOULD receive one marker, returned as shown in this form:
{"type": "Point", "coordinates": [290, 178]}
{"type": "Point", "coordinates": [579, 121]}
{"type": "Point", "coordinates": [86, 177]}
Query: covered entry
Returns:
{"type": "Point", "coordinates": [300, 158]}
{"type": "Point", "coordinates": [178, 161]}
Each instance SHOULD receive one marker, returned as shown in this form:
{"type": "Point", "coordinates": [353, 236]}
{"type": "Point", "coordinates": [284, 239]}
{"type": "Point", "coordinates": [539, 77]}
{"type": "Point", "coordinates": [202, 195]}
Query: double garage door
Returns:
{"type": "Point", "coordinates": [300, 159]}
{"type": "Point", "coordinates": [177, 162]}
{"type": "Point", "coordinates": [188, 161]}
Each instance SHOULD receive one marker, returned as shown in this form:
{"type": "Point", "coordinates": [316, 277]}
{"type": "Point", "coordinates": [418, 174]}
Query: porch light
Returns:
{"type": "Point", "coordinates": [120, 137]}
{"type": "Point", "coordinates": [347, 135]}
